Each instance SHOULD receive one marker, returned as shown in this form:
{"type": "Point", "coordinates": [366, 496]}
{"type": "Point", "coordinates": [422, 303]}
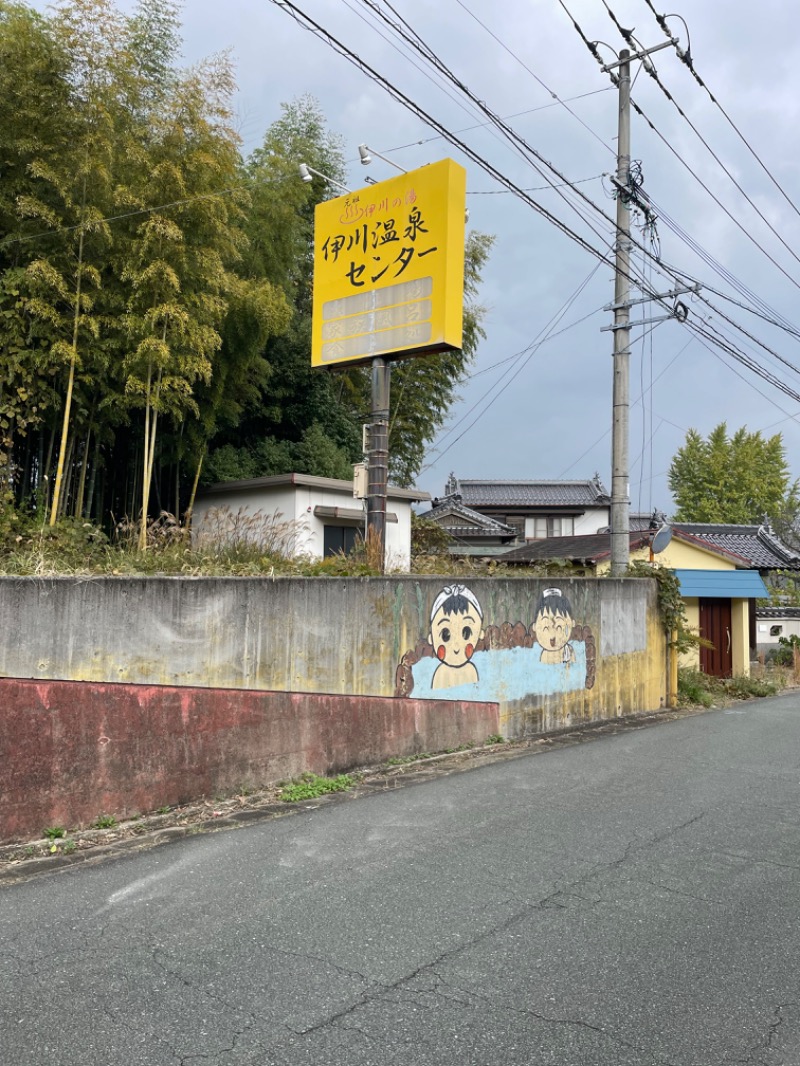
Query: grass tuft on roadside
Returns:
{"type": "Point", "coordinates": [696, 689]}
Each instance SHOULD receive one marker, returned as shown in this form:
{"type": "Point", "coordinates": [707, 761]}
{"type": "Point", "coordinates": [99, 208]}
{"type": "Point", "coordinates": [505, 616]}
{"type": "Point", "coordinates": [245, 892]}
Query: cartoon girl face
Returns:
{"type": "Point", "coordinates": [455, 625]}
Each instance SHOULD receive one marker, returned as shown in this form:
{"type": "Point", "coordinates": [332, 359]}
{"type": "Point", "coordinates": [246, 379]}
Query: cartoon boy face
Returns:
{"type": "Point", "coordinates": [455, 626]}
{"type": "Point", "coordinates": [553, 630]}
{"type": "Point", "coordinates": [553, 620]}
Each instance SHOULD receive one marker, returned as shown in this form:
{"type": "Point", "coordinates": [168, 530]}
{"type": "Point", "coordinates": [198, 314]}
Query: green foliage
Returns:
{"type": "Point", "coordinates": [671, 604]}
{"type": "Point", "coordinates": [317, 453]}
{"type": "Point", "coordinates": [784, 654]}
{"type": "Point", "coordinates": [696, 689]}
{"type": "Point", "coordinates": [496, 738]}
{"type": "Point", "coordinates": [105, 821]}
{"type": "Point", "coordinates": [783, 587]}
{"type": "Point", "coordinates": [736, 479]}
{"type": "Point", "coordinates": [30, 546]}
{"type": "Point", "coordinates": [428, 537]}
{"type": "Point", "coordinates": [16, 525]}
{"type": "Point", "coordinates": [422, 756]}
{"type": "Point", "coordinates": [54, 832]}
{"type": "Point", "coordinates": [423, 390]}
{"type": "Point", "coordinates": [745, 688]}
{"type": "Point", "coordinates": [155, 287]}
{"type": "Point", "coordinates": [309, 786]}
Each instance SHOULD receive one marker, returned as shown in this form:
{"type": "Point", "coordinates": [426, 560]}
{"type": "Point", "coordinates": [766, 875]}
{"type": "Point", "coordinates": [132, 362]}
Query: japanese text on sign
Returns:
{"type": "Point", "coordinates": [388, 267]}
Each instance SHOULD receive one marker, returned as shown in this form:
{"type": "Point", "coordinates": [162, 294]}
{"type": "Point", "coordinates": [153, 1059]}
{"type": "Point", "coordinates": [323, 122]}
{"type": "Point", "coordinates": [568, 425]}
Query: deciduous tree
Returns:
{"type": "Point", "coordinates": [738, 479]}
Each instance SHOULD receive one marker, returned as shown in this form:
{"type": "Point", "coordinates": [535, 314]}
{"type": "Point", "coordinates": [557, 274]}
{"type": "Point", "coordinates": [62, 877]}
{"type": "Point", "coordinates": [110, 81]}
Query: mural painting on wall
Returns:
{"type": "Point", "coordinates": [462, 658]}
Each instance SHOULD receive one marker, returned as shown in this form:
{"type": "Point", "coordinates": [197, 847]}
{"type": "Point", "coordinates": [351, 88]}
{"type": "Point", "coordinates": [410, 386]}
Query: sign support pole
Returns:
{"type": "Point", "coordinates": [378, 459]}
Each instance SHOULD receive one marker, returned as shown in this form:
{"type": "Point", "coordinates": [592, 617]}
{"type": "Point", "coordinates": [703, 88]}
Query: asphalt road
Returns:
{"type": "Point", "coordinates": [631, 900]}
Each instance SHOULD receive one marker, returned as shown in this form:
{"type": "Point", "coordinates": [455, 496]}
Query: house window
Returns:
{"type": "Point", "coordinates": [775, 631]}
{"type": "Point", "coordinates": [553, 526]}
{"type": "Point", "coordinates": [340, 540]}
{"type": "Point", "coordinates": [517, 524]}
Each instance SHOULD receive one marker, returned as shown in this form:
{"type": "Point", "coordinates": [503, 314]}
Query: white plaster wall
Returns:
{"type": "Point", "coordinates": [584, 524]}
{"type": "Point", "coordinates": [790, 628]}
{"type": "Point", "coordinates": [295, 504]}
{"type": "Point", "coordinates": [398, 536]}
{"type": "Point", "coordinates": [238, 512]}
{"type": "Point", "coordinates": [591, 521]}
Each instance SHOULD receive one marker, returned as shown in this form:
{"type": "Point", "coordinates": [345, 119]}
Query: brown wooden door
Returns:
{"type": "Point", "coordinates": [715, 626]}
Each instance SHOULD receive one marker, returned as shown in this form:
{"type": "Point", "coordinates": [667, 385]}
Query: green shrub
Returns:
{"type": "Point", "coordinates": [699, 689]}
{"type": "Point", "coordinates": [693, 689]}
{"type": "Point", "coordinates": [745, 688]}
{"type": "Point", "coordinates": [783, 655]}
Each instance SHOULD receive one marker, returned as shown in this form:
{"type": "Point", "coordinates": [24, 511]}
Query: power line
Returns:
{"type": "Point", "coordinates": [518, 142]}
{"type": "Point", "coordinates": [713, 336]}
{"type": "Point", "coordinates": [639, 399]}
{"type": "Point", "coordinates": [766, 312]}
{"type": "Point", "coordinates": [534, 75]}
{"type": "Point", "coordinates": [651, 70]}
{"type": "Point", "coordinates": [308, 23]}
{"type": "Point", "coordinates": [685, 57]}
{"type": "Point", "coordinates": [116, 218]}
{"type": "Point", "coordinates": [535, 188]}
{"type": "Point", "coordinates": [314, 27]}
{"type": "Point", "coordinates": [407, 55]}
{"type": "Point", "coordinates": [470, 376]}
{"type": "Point", "coordinates": [640, 112]}
{"type": "Point", "coordinates": [520, 145]}
{"type": "Point", "coordinates": [516, 114]}
{"type": "Point", "coordinates": [530, 351]}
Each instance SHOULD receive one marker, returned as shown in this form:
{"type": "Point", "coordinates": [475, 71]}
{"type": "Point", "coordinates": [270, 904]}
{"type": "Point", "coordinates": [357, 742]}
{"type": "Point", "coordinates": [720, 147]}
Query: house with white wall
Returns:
{"type": "Point", "coordinates": [533, 510]}
{"type": "Point", "coordinates": [302, 515]}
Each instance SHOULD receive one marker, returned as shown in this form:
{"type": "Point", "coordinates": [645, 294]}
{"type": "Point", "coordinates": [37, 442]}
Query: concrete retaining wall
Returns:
{"type": "Point", "coordinates": [70, 751]}
{"type": "Point", "coordinates": [367, 637]}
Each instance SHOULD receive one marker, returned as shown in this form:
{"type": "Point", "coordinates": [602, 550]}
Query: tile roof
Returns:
{"type": "Point", "coordinates": [474, 523]}
{"type": "Point", "coordinates": [758, 545]}
{"type": "Point", "coordinates": [749, 547]}
{"type": "Point", "coordinates": [591, 548]}
{"type": "Point", "coordinates": [475, 493]}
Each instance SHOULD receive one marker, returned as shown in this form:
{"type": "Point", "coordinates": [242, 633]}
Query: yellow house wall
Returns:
{"type": "Point", "coordinates": [690, 659]}
{"type": "Point", "coordinates": [679, 555]}
{"type": "Point", "coordinates": [740, 638]}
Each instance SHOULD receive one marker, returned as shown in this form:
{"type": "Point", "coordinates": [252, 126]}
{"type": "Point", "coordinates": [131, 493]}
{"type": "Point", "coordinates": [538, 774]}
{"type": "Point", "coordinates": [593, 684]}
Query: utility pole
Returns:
{"type": "Point", "coordinates": [620, 475]}
{"type": "Point", "coordinates": [378, 458]}
{"type": "Point", "coordinates": [626, 199]}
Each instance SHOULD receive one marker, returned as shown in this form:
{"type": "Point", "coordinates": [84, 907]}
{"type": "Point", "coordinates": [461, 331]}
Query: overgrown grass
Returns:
{"type": "Point", "coordinates": [309, 786]}
{"type": "Point", "coordinates": [696, 689]}
{"type": "Point", "coordinates": [233, 544]}
{"type": "Point", "coordinates": [230, 544]}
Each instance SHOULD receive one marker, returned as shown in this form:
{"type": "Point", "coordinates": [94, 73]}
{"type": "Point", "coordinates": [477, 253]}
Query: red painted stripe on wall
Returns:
{"type": "Point", "coordinates": [72, 750]}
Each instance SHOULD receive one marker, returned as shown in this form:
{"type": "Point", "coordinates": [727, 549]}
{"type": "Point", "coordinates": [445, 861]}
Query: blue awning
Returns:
{"type": "Point", "coordinates": [722, 584]}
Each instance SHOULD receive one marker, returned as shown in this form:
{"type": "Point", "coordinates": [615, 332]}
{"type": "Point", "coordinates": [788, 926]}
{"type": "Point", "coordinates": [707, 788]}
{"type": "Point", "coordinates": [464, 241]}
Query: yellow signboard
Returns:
{"type": "Point", "coordinates": [389, 268]}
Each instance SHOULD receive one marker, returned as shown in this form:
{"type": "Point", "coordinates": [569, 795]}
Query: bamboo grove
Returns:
{"type": "Point", "coordinates": [155, 283]}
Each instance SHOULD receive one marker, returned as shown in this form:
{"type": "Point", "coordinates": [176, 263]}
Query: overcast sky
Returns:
{"type": "Point", "coordinates": [550, 415]}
